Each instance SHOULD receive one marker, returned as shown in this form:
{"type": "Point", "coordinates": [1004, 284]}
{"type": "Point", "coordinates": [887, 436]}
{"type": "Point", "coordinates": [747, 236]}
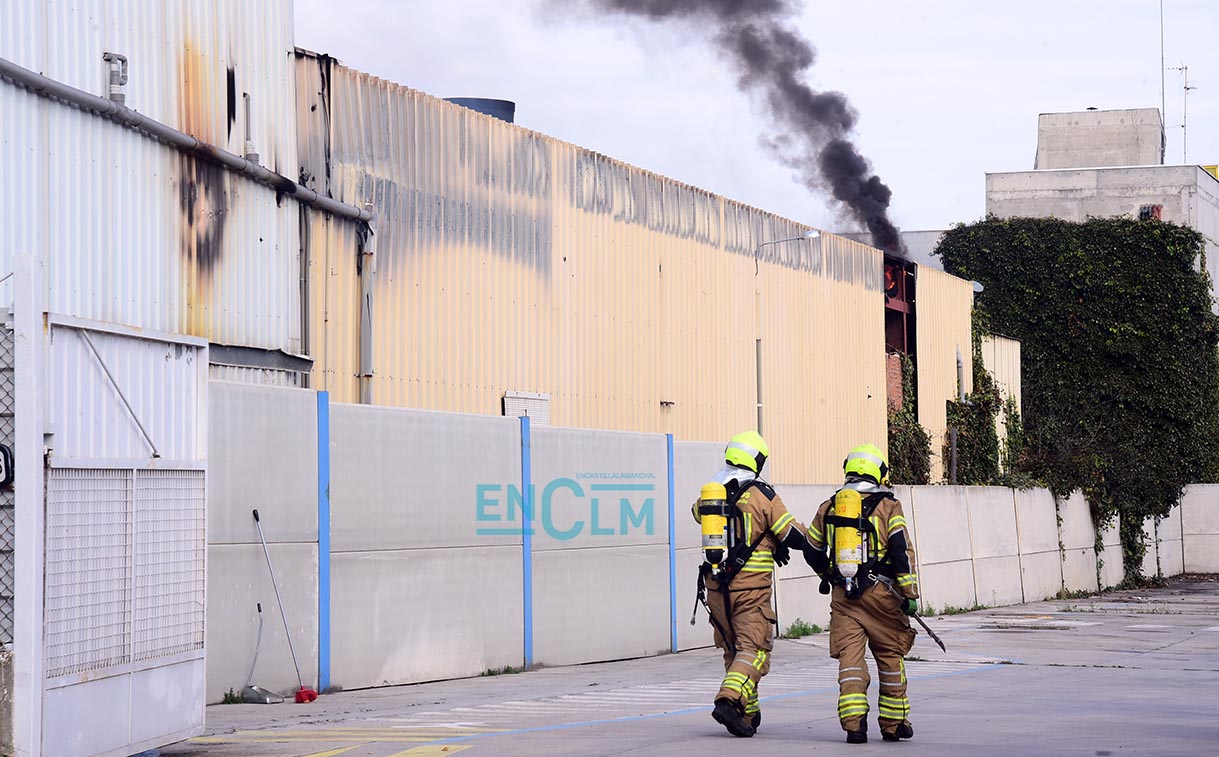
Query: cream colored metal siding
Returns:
{"type": "Point", "coordinates": [508, 261]}
{"type": "Point", "coordinates": [823, 346]}
{"type": "Point", "coordinates": [1001, 356]}
{"type": "Point", "coordinates": [944, 311]}
{"type": "Point", "coordinates": [132, 231]}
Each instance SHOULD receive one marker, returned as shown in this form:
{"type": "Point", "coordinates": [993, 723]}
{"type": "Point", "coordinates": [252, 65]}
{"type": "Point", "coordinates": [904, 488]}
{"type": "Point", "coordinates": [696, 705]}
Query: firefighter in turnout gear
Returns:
{"type": "Point", "coordinates": [746, 532]}
{"type": "Point", "coordinates": [861, 549]}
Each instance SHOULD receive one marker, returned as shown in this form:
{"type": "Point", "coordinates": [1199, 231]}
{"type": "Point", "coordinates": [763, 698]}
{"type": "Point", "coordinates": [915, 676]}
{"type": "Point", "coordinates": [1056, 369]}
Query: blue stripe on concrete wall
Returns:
{"type": "Point", "coordinates": [672, 554]}
{"type": "Point", "coordinates": [527, 535]}
{"type": "Point", "coordinates": [323, 540]}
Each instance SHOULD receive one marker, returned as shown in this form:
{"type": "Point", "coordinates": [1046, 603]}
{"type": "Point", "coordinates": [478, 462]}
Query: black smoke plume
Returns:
{"type": "Point", "coordinates": [771, 58]}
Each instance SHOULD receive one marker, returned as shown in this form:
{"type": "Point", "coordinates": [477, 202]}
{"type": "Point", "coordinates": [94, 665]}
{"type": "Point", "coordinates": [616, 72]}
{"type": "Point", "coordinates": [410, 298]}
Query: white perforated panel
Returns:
{"type": "Point", "coordinates": [125, 566]}
{"type": "Point", "coordinates": [170, 547]}
{"type": "Point", "coordinates": [88, 570]}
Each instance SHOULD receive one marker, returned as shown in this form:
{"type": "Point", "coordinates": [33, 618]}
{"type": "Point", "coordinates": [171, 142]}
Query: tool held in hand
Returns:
{"type": "Point", "coordinates": [889, 585]}
{"type": "Point", "coordinates": [303, 694]}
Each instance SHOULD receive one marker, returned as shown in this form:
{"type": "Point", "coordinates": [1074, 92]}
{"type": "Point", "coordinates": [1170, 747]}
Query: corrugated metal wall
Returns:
{"type": "Point", "coordinates": [135, 232]}
{"type": "Point", "coordinates": [945, 305]}
{"type": "Point", "coordinates": [165, 384]}
{"type": "Point", "coordinates": [1001, 356]}
{"type": "Point", "coordinates": [510, 261]}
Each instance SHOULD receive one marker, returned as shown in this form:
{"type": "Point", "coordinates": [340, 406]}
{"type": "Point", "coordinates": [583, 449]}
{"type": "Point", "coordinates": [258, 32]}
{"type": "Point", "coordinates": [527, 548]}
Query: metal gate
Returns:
{"type": "Point", "coordinates": [125, 538]}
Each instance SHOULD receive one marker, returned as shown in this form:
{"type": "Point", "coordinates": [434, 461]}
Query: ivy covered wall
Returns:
{"type": "Point", "coordinates": [1120, 374]}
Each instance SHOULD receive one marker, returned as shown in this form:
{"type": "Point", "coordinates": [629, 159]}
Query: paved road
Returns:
{"type": "Point", "coordinates": [1123, 673]}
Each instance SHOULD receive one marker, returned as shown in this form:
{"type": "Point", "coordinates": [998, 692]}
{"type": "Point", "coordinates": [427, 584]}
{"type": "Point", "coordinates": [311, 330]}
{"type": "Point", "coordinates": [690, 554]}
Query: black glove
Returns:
{"type": "Point", "coordinates": [910, 607]}
{"type": "Point", "coordinates": [816, 559]}
{"type": "Point", "coordinates": [782, 554]}
{"type": "Point", "coordinates": [824, 587]}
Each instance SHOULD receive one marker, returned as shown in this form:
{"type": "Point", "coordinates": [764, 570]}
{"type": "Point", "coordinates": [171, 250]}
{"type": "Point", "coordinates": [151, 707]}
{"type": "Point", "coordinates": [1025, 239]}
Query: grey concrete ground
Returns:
{"type": "Point", "coordinates": [1122, 673]}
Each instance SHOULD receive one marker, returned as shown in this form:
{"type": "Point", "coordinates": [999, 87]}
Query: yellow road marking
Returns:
{"type": "Point", "coordinates": [332, 752]}
{"type": "Point", "coordinates": [313, 739]}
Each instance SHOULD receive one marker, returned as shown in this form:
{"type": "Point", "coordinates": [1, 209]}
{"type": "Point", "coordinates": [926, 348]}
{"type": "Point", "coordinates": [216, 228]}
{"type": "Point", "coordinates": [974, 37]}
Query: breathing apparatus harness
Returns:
{"type": "Point", "coordinates": [853, 564]}
{"type": "Point", "coordinates": [724, 538]}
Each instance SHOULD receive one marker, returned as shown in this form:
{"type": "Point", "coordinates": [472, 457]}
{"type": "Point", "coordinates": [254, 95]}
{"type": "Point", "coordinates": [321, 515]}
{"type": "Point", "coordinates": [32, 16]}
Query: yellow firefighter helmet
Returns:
{"type": "Point", "coordinates": [867, 461]}
{"type": "Point", "coordinates": [747, 450]}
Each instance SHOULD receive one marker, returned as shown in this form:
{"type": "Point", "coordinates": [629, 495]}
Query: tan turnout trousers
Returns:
{"type": "Point", "coordinates": [748, 621]}
{"type": "Point", "coordinates": [874, 621]}
{"type": "Point", "coordinates": [744, 624]}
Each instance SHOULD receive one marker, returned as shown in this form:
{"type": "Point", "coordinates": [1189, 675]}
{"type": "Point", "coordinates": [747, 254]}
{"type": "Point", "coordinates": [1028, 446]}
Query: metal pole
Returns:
{"type": "Point", "coordinates": [368, 269]}
{"type": "Point", "coordinates": [114, 385]}
{"type": "Point", "coordinates": [55, 90]}
{"type": "Point", "coordinates": [1163, 105]}
{"type": "Point", "coordinates": [758, 351]}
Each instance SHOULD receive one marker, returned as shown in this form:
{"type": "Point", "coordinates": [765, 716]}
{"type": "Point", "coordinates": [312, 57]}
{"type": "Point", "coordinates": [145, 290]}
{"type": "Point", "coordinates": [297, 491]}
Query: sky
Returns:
{"type": "Point", "coordinates": [946, 90]}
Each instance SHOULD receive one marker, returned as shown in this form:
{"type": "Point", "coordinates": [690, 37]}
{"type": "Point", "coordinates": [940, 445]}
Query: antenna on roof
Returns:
{"type": "Point", "coordinates": [1184, 69]}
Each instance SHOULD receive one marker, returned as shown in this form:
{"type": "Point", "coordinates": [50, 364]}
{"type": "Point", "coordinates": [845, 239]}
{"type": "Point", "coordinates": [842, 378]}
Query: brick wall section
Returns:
{"type": "Point", "coordinates": [893, 380]}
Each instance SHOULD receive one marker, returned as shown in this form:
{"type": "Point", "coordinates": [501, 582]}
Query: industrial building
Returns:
{"type": "Point", "coordinates": [206, 226]}
{"type": "Point", "coordinates": [1109, 163]}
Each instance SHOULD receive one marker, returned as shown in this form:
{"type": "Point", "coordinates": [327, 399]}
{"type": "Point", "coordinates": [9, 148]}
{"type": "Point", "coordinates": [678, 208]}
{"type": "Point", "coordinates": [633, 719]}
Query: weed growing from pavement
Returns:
{"type": "Point", "coordinates": [504, 671]}
{"type": "Point", "coordinates": [231, 697]}
{"type": "Point", "coordinates": [951, 610]}
{"type": "Point", "coordinates": [799, 629]}
{"type": "Point", "coordinates": [1074, 594]}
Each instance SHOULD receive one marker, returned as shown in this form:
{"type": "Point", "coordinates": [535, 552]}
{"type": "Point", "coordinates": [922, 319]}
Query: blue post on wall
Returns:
{"type": "Point", "coordinates": [527, 536]}
{"type": "Point", "coordinates": [672, 553]}
{"type": "Point", "coordinates": [323, 541]}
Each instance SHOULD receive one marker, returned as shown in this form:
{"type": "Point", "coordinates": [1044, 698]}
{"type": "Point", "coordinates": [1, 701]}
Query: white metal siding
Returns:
{"type": "Point", "coordinates": [163, 382]}
{"type": "Point", "coordinates": [132, 231]}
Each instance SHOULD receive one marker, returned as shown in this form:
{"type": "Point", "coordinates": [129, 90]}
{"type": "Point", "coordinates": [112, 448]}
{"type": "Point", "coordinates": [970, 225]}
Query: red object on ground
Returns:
{"type": "Point", "coordinates": [305, 695]}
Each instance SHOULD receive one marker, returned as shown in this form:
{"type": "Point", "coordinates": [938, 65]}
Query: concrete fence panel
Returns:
{"type": "Point", "coordinates": [1111, 563]}
{"type": "Point", "coordinates": [1078, 537]}
{"type": "Point", "coordinates": [694, 463]}
{"type": "Point", "coordinates": [599, 489]}
{"type": "Point", "coordinates": [1037, 534]}
{"type": "Point", "coordinates": [402, 479]}
{"type": "Point", "coordinates": [946, 570]}
{"type": "Point", "coordinates": [700, 634]}
{"type": "Point", "coordinates": [992, 526]}
{"type": "Point", "coordinates": [600, 603]}
{"type": "Point", "coordinates": [404, 616]}
{"type": "Point", "coordinates": [262, 451]}
{"type": "Point", "coordinates": [1151, 559]}
{"type": "Point", "coordinates": [237, 579]}
{"type": "Point", "coordinates": [1172, 559]}
{"type": "Point", "coordinates": [799, 599]}
{"type": "Point", "coordinates": [1200, 528]}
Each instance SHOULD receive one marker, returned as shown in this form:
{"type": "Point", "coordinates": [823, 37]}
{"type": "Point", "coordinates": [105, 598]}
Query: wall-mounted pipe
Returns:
{"type": "Point", "coordinates": [118, 76]}
{"type": "Point", "coordinates": [367, 270]}
{"type": "Point", "coordinates": [55, 90]}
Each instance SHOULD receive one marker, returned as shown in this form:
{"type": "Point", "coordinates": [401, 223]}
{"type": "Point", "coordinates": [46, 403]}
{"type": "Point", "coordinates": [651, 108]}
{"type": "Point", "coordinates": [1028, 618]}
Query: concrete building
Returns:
{"type": "Point", "coordinates": [1102, 164]}
{"type": "Point", "coordinates": [1089, 138]}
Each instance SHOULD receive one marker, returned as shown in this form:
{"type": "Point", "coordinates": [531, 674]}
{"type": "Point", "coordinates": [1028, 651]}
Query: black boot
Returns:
{"type": "Point", "coordinates": [757, 720]}
{"type": "Point", "coordinates": [860, 736]}
{"type": "Point", "coordinates": [903, 731]}
{"type": "Point", "coordinates": [730, 715]}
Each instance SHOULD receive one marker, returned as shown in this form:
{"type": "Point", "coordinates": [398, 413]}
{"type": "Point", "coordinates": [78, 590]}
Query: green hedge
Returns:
{"type": "Point", "coordinates": [1120, 374]}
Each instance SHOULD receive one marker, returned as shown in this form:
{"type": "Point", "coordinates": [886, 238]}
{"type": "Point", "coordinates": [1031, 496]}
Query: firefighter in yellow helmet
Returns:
{"type": "Point", "coordinates": [861, 549]}
{"type": "Point", "coordinates": [746, 532]}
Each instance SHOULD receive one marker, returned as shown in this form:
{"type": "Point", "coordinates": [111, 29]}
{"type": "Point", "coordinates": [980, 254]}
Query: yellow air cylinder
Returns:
{"type": "Point", "coordinates": [713, 515]}
{"type": "Point", "coordinates": [848, 542]}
